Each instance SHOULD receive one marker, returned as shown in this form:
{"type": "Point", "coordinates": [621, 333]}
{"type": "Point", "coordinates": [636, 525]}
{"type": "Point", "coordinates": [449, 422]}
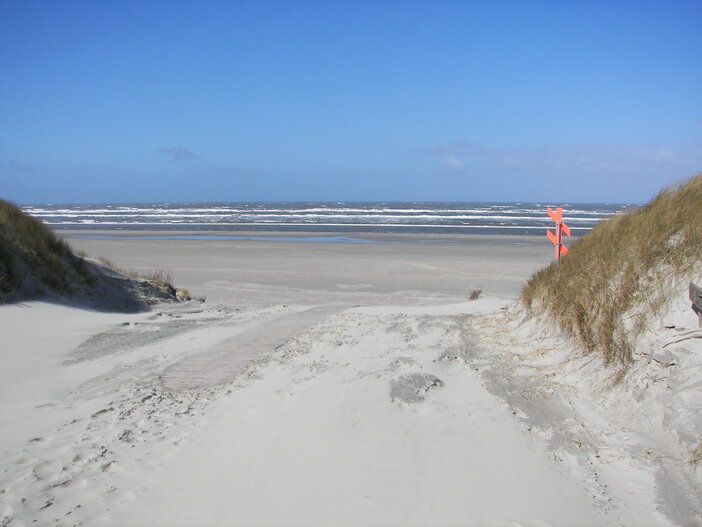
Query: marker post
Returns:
{"type": "Point", "coordinates": [557, 237]}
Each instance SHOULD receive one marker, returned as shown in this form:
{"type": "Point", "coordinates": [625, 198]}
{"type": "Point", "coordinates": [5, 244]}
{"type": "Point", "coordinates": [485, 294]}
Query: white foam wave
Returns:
{"type": "Point", "coordinates": [293, 224]}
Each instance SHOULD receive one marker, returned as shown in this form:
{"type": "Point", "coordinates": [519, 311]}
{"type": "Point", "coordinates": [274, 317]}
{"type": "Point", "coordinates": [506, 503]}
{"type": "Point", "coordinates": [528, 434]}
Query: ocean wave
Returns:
{"type": "Point", "coordinates": [290, 224]}
{"type": "Point", "coordinates": [321, 216]}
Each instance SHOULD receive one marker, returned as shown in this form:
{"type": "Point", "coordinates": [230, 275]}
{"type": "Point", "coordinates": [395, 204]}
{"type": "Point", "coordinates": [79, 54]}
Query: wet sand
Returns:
{"type": "Point", "coordinates": [371, 269]}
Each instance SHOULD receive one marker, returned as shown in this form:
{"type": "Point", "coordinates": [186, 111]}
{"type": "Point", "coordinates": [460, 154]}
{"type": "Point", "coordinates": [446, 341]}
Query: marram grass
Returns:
{"type": "Point", "coordinates": [35, 261]}
{"type": "Point", "coordinates": [616, 269]}
{"type": "Point", "coordinates": [30, 248]}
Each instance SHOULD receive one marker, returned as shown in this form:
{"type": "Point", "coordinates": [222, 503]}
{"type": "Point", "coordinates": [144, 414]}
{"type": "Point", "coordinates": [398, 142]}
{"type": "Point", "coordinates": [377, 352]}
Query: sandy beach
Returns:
{"type": "Point", "coordinates": [369, 269]}
{"type": "Point", "coordinates": [321, 383]}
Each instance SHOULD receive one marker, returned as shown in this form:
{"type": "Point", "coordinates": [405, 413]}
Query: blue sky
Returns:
{"type": "Point", "coordinates": [329, 100]}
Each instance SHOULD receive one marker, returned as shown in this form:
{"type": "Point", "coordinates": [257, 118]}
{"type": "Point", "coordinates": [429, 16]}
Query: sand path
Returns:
{"type": "Point", "coordinates": [374, 416]}
{"type": "Point", "coordinates": [227, 359]}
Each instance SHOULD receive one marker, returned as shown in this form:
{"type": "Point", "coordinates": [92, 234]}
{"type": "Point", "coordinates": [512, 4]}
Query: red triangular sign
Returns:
{"type": "Point", "coordinates": [556, 216]}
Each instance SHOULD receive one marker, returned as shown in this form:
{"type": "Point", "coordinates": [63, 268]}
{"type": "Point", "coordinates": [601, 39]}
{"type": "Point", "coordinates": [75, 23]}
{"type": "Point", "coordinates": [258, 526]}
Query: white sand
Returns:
{"type": "Point", "coordinates": [300, 409]}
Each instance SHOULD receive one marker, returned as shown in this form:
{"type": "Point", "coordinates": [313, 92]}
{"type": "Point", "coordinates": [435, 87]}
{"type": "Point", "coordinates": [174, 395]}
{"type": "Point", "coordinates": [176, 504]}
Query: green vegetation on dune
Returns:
{"type": "Point", "coordinates": [33, 258]}
{"type": "Point", "coordinates": [36, 263]}
{"type": "Point", "coordinates": [617, 269]}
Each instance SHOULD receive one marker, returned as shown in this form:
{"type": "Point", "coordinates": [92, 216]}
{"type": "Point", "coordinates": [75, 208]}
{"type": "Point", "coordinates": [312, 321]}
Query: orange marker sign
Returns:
{"type": "Point", "coordinates": [561, 229]}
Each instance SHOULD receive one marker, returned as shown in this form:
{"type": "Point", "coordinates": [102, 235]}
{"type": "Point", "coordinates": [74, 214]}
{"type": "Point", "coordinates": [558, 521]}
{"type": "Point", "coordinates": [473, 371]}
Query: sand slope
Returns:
{"type": "Point", "coordinates": [634, 434]}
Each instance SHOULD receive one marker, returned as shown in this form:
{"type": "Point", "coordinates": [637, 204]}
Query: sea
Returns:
{"type": "Point", "coordinates": [325, 217]}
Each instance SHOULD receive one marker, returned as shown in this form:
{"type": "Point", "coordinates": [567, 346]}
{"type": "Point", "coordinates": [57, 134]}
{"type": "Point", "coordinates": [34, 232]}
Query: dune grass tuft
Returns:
{"type": "Point", "coordinates": [160, 277]}
{"type": "Point", "coordinates": [614, 270]}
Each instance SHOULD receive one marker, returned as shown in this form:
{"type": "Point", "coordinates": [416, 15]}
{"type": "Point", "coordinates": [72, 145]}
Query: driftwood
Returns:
{"type": "Point", "coordinates": [692, 335]}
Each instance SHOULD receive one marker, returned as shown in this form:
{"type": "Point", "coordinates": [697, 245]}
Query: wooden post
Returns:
{"type": "Point", "coordinates": [695, 295]}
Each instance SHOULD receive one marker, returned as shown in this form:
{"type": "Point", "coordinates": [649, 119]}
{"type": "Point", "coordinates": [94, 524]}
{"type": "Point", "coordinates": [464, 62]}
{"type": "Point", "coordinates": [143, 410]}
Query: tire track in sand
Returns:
{"type": "Point", "coordinates": [223, 362]}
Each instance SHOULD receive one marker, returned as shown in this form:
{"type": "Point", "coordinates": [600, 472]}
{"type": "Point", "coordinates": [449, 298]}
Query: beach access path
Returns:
{"type": "Point", "coordinates": [345, 386]}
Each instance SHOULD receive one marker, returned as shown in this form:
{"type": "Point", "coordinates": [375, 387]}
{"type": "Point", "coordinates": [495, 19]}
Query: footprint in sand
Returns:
{"type": "Point", "coordinates": [412, 388]}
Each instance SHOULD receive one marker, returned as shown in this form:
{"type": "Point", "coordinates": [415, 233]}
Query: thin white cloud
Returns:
{"type": "Point", "coordinates": [457, 148]}
{"type": "Point", "coordinates": [461, 154]}
{"type": "Point", "coordinates": [16, 165]}
{"type": "Point", "coordinates": [615, 158]}
{"type": "Point", "coordinates": [453, 157]}
{"type": "Point", "coordinates": [178, 153]}
{"type": "Point", "coordinates": [452, 162]}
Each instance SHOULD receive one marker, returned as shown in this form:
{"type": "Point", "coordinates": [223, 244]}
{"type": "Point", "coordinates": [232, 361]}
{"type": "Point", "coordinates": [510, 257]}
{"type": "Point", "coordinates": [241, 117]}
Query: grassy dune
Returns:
{"type": "Point", "coordinates": [33, 259]}
{"type": "Point", "coordinates": [36, 263]}
{"type": "Point", "coordinates": [617, 276]}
